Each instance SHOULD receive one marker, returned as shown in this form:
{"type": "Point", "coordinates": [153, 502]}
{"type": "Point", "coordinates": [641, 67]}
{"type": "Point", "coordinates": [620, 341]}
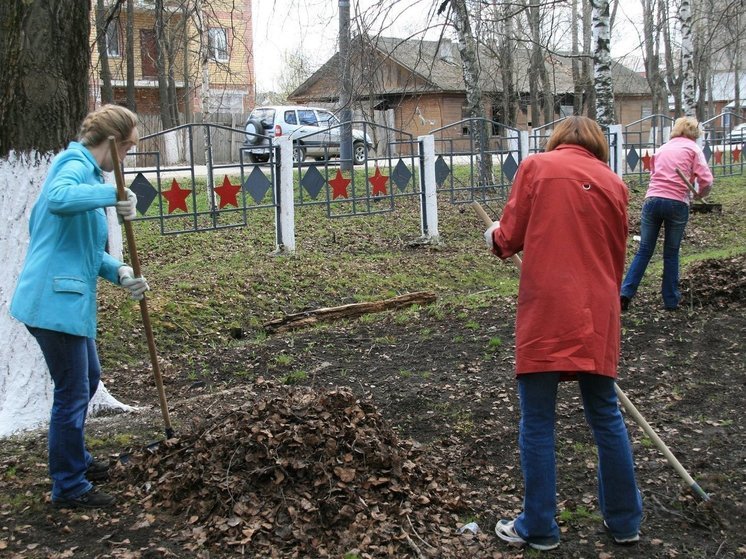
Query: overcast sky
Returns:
{"type": "Point", "coordinates": [285, 26]}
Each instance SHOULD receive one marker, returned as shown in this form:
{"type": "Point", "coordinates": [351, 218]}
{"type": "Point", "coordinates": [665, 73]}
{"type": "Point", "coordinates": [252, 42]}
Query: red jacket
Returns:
{"type": "Point", "coordinates": [567, 212]}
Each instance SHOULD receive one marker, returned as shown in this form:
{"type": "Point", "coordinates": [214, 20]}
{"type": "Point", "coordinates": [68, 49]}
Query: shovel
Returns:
{"type": "Point", "coordinates": [628, 406]}
{"type": "Point", "coordinates": [122, 195]}
{"type": "Point", "coordinates": [705, 206]}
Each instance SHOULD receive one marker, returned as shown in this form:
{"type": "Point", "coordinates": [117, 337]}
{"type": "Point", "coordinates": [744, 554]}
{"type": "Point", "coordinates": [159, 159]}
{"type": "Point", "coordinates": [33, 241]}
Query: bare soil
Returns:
{"type": "Point", "coordinates": [381, 438]}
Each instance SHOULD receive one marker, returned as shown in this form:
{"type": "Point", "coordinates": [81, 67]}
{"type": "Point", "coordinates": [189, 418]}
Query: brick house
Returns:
{"type": "Point", "coordinates": [419, 85]}
{"type": "Point", "coordinates": [231, 64]}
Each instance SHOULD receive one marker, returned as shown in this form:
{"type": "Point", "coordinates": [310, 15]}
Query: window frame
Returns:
{"type": "Point", "coordinates": [213, 48]}
{"type": "Point", "coordinates": [113, 31]}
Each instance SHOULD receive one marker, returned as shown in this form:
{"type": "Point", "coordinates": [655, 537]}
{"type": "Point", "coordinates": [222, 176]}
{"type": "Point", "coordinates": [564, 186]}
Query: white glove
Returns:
{"type": "Point", "coordinates": [488, 234]}
{"type": "Point", "coordinates": [136, 286]}
{"type": "Point", "coordinates": [127, 209]}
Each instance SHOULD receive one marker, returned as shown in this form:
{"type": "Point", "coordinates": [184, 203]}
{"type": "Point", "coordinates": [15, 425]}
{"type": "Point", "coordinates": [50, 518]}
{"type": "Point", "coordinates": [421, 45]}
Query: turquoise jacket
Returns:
{"type": "Point", "coordinates": [68, 233]}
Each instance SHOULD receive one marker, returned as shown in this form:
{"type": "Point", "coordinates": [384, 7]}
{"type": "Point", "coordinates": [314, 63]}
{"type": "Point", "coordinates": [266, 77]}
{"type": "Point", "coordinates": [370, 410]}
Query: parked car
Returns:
{"type": "Point", "coordinates": [316, 133]}
{"type": "Point", "coordinates": [737, 135]}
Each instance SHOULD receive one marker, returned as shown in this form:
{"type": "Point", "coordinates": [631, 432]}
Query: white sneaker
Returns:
{"type": "Point", "coordinates": [506, 532]}
{"type": "Point", "coordinates": [629, 540]}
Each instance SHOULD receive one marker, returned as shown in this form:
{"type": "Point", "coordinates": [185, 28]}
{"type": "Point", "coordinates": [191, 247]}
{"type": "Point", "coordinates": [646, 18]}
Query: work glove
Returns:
{"type": "Point", "coordinates": [136, 286]}
{"type": "Point", "coordinates": [127, 209]}
{"type": "Point", "coordinates": [488, 234]}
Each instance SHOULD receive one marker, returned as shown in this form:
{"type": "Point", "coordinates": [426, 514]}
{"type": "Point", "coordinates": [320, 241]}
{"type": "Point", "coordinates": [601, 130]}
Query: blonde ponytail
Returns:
{"type": "Point", "coordinates": [108, 120]}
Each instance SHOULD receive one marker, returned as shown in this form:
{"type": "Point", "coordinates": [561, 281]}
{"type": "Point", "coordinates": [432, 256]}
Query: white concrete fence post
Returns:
{"type": "Point", "coordinates": [284, 198]}
{"type": "Point", "coordinates": [524, 144]}
{"type": "Point", "coordinates": [428, 190]}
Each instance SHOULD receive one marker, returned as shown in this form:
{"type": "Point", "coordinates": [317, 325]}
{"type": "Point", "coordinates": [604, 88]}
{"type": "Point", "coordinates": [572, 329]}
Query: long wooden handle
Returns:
{"type": "Point", "coordinates": [689, 185]}
{"type": "Point", "coordinates": [645, 426]}
{"type": "Point", "coordinates": [631, 409]}
{"type": "Point", "coordinates": [135, 261]}
{"type": "Point", "coordinates": [484, 216]}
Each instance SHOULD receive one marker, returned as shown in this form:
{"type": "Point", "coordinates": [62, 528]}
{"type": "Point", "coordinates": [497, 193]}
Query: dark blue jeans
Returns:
{"type": "Point", "coordinates": [618, 497]}
{"type": "Point", "coordinates": [75, 370]}
{"type": "Point", "coordinates": [673, 216]}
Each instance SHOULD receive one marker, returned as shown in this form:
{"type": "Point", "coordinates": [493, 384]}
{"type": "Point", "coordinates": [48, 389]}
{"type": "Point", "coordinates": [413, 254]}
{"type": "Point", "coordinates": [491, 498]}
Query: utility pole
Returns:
{"type": "Point", "coordinates": [345, 94]}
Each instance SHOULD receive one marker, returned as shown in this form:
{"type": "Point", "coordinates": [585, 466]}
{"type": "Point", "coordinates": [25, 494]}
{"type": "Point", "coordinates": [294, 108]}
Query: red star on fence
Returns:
{"type": "Point", "coordinates": [176, 197]}
{"type": "Point", "coordinates": [228, 193]}
{"type": "Point", "coordinates": [339, 186]}
{"type": "Point", "coordinates": [718, 155]}
{"type": "Point", "coordinates": [379, 182]}
{"type": "Point", "coordinates": [736, 153]}
{"type": "Point", "coordinates": [646, 162]}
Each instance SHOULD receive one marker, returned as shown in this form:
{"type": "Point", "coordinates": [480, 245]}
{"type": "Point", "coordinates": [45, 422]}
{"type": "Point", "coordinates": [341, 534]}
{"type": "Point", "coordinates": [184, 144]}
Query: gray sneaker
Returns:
{"type": "Point", "coordinates": [93, 499]}
{"type": "Point", "coordinates": [628, 540]}
{"type": "Point", "coordinates": [505, 530]}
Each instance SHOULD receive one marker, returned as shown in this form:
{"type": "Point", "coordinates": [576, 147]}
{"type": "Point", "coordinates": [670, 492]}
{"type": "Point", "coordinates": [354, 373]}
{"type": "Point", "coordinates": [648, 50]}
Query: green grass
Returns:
{"type": "Point", "coordinates": [203, 284]}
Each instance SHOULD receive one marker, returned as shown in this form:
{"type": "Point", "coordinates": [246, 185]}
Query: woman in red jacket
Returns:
{"type": "Point", "coordinates": [567, 212]}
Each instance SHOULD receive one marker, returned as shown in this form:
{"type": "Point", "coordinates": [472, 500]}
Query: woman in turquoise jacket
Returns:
{"type": "Point", "coordinates": [55, 296]}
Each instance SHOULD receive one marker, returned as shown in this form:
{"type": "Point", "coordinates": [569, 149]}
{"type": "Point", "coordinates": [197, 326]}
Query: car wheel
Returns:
{"type": "Point", "coordinates": [359, 153]}
{"type": "Point", "coordinates": [254, 131]}
{"type": "Point", "coordinates": [299, 154]}
{"type": "Point", "coordinates": [257, 158]}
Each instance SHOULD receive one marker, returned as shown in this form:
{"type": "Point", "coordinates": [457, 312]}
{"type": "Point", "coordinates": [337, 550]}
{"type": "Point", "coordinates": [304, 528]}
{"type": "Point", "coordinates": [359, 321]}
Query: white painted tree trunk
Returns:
{"type": "Point", "coordinates": [25, 385]}
{"type": "Point", "coordinates": [688, 92]}
{"type": "Point", "coordinates": [602, 63]}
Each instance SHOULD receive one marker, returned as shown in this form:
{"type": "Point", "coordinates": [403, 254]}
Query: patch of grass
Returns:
{"type": "Point", "coordinates": [494, 344]}
{"type": "Point", "coordinates": [579, 515]}
{"type": "Point", "coordinates": [403, 373]}
{"type": "Point", "coordinates": [283, 359]}
{"type": "Point", "coordinates": [294, 377]}
{"type": "Point", "coordinates": [473, 325]}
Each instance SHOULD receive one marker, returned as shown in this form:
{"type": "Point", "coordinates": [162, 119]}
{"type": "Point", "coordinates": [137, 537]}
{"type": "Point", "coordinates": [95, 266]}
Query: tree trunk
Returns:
{"type": "Point", "coordinates": [688, 89]}
{"type": "Point", "coordinates": [471, 70]}
{"type": "Point", "coordinates": [107, 95]}
{"type": "Point", "coordinates": [673, 79]}
{"type": "Point", "coordinates": [602, 63]}
{"type": "Point", "coordinates": [45, 58]}
{"type": "Point", "coordinates": [130, 54]}
{"type": "Point", "coordinates": [590, 100]}
{"type": "Point", "coordinates": [161, 63]}
{"type": "Point", "coordinates": [507, 72]}
{"type": "Point", "coordinates": [577, 96]}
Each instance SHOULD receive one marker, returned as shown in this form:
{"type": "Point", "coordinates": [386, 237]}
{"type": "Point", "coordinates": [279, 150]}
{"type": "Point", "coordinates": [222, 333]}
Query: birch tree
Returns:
{"type": "Point", "coordinates": [602, 63]}
{"type": "Point", "coordinates": [688, 91]}
{"type": "Point", "coordinates": [468, 49]}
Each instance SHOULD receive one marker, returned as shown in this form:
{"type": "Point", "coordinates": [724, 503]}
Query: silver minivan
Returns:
{"type": "Point", "coordinates": [316, 133]}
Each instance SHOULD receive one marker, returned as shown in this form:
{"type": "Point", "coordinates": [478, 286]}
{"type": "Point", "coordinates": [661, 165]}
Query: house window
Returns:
{"type": "Point", "coordinates": [112, 39]}
{"type": "Point", "coordinates": [465, 116]}
{"type": "Point", "coordinates": [646, 111]}
{"type": "Point", "coordinates": [218, 43]}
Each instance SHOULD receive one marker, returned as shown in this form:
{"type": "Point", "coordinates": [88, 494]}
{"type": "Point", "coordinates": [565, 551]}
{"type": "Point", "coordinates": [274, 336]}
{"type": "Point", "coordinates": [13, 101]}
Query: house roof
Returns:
{"type": "Point", "coordinates": [438, 65]}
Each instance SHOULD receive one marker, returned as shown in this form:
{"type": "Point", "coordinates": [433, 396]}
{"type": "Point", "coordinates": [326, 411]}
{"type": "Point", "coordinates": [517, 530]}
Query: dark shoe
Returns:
{"type": "Point", "coordinates": [625, 301]}
{"type": "Point", "coordinates": [97, 471]}
{"type": "Point", "coordinates": [629, 540]}
{"type": "Point", "coordinates": [671, 309]}
{"type": "Point", "coordinates": [93, 499]}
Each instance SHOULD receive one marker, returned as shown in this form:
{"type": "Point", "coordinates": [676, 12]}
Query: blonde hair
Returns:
{"type": "Point", "coordinates": [686, 126]}
{"type": "Point", "coordinates": [108, 120]}
{"type": "Point", "coordinates": [581, 131]}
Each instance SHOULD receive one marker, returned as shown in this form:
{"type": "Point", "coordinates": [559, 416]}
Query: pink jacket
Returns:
{"type": "Point", "coordinates": [685, 154]}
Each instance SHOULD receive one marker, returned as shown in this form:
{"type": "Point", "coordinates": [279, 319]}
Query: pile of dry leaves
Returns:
{"type": "Point", "coordinates": [298, 472]}
{"type": "Point", "coordinates": [715, 282]}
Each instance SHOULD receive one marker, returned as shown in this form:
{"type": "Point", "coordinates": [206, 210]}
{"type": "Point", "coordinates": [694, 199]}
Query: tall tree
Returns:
{"type": "Point", "coordinates": [688, 84]}
{"type": "Point", "coordinates": [130, 54]}
{"type": "Point", "coordinates": [161, 45]}
{"type": "Point", "coordinates": [102, 30]}
{"type": "Point", "coordinates": [470, 67]}
{"type": "Point", "coordinates": [45, 59]}
{"type": "Point", "coordinates": [602, 63]}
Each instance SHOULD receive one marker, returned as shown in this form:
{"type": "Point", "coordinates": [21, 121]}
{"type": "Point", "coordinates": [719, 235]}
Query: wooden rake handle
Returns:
{"type": "Point", "coordinates": [488, 221]}
{"type": "Point", "coordinates": [689, 185]}
{"type": "Point", "coordinates": [626, 404]}
{"type": "Point", "coordinates": [135, 261]}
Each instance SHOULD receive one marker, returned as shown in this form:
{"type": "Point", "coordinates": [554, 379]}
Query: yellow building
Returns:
{"type": "Point", "coordinates": [224, 37]}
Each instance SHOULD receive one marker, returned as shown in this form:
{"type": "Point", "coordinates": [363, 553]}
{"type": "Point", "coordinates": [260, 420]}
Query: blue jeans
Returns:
{"type": "Point", "coordinates": [618, 496]}
{"type": "Point", "coordinates": [673, 216]}
{"type": "Point", "coordinates": [75, 370]}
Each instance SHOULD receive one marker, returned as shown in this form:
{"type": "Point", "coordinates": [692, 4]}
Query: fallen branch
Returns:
{"type": "Point", "coordinates": [308, 318]}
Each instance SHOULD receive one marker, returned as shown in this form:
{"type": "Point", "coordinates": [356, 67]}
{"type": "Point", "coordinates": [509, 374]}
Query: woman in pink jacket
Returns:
{"type": "Point", "coordinates": [667, 204]}
{"type": "Point", "coordinates": [567, 212]}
